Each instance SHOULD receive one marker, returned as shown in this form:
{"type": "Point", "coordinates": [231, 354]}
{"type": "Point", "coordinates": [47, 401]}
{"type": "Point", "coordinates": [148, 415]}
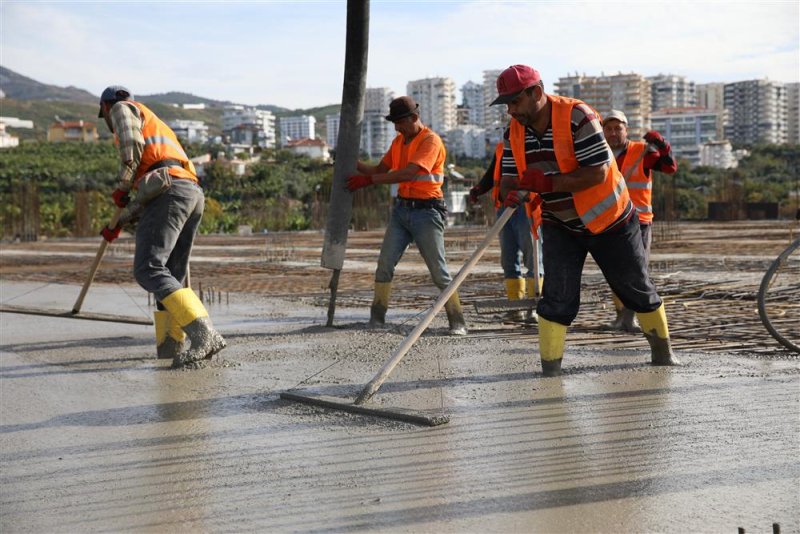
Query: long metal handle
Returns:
{"type": "Point", "coordinates": [93, 269]}
{"type": "Point", "coordinates": [372, 387]}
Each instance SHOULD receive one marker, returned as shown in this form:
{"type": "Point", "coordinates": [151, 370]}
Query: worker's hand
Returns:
{"type": "Point", "coordinates": [110, 234]}
{"type": "Point", "coordinates": [358, 181]}
{"type": "Point", "coordinates": [474, 194]}
{"type": "Point", "coordinates": [535, 180]}
{"type": "Point", "coordinates": [515, 198]}
{"type": "Point", "coordinates": [656, 139]}
{"type": "Point", "coordinates": [121, 198]}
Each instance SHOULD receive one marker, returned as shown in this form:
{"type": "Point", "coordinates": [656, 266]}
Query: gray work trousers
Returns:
{"type": "Point", "coordinates": [164, 238]}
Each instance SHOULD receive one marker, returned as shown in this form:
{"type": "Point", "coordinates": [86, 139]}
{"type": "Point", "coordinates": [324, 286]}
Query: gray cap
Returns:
{"type": "Point", "coordinates": [113, 93]}
{"type": "Point", "coordinates": [616, 114]}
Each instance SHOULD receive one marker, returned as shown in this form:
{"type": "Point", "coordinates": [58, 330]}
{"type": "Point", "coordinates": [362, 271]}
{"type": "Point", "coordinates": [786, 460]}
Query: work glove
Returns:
{"type": "Point", "coordinates": [474, 194]}
{"type": "Point", "coordinates": [655, 139]}
{"type": "Point", "coordinates": [515, 199]}
{"type": "Point", "coordinates": [358, 181]}
{"type": "Point", "coordinates": [121, 198]}
{"type": "Point", "coordinates": [535, 180]}
{"type": "Point", "coordinates": [110, 234]}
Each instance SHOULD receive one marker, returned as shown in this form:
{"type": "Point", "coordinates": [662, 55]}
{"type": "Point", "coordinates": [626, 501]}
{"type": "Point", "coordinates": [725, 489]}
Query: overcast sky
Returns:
{"type": "Point", "coordinates": [291, 54]}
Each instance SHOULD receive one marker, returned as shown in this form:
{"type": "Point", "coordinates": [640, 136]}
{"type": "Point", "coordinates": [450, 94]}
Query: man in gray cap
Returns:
{"type": "Point", "coordinates": [168, 204]}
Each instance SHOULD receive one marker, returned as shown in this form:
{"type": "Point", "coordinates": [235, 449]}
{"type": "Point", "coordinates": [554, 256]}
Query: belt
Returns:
{"type": "Point", "coordinates": [165, 163]}
{"type": "Point", "coordinates": [418, 203]}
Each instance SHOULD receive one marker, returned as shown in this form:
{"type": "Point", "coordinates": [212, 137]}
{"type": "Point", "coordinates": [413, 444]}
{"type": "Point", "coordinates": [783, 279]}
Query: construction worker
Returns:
{"type": "Point", "coordinates": [636, 161]}
{"type": "Point", "coordinates": [415, 161]}
{"type": "Point", "coordinates": [516, 242]}
{"type": "Point", "coordinates": [168, 204]}
{"type": "Point", "coordinates": [554, 146]}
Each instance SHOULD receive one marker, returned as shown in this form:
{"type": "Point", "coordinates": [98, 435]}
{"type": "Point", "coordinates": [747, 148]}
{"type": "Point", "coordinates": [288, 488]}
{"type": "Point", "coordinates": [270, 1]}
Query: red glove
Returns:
{"type": "Point", "coordinates": [514, 199]}
{"type": "Point", "coordinates": [655, 138]}
{"type": "Point", "coordinates": [110, 234]}
{"type": "Point", "coordinates": [358, 181]}
{"type": "Point", "coordinates": [121, 198]}
{"type": "Point", "coordinates": [534, 180]}
{"type": "Point", "coordinates": [474, 193]}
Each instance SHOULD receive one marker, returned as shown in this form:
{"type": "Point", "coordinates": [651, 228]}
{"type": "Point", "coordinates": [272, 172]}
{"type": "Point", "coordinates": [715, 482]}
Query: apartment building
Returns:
{"type": "Point", "coordinates": [793, 113]}
{"type": "Point", "coordinates": [630, 93]}
{"type": "Point", "coordinates": [756, 112]}
{"type": "Point", "coordinates": [472, 104]}
{"type": "Point", "coordinates": [6, 139]}
{"type": "Point", "coordinates": [437, 102]}
{"type": "Point", "coordinates": [467, 141]}
{"type": "Point", "coordinates": [671, 91]}
{"type": "Point", "coordinates": [72, 131]}
{"type": "Point", "coordinates": [190, 131]}
{"type": "Point", "coordinates": [251, 126]}
{"type": "Point", "coordinates": [376, 132]}
{"type": "Point", "coordinates": [718, 154]}
{"type": "Point", "coordinates": [297, 127]}
{"type": "Point", "coordinates": [494, 117]}
{"type": "Point", "coordinates": [686, 129]}
{"type": "Point", "coordinates": [711, 96]}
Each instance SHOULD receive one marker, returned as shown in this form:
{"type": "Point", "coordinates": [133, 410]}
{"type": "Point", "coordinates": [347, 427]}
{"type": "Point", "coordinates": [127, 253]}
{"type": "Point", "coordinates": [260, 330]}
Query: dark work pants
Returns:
{"type": "Point", "coordinates": [620, 256]}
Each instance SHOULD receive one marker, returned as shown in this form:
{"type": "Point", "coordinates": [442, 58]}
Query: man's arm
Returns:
{"type": "Point", "coordinates": [577, 180]}
{"type": "Point", "coordinates": [128, 128]}
{"type": "Point", "coordinates": [370, 170]}
{"type": "Point", "coordinates": [405, 174]}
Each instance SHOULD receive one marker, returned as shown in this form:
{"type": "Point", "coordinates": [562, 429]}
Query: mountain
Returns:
{"type": "Point", "coordinates": [20, 87]}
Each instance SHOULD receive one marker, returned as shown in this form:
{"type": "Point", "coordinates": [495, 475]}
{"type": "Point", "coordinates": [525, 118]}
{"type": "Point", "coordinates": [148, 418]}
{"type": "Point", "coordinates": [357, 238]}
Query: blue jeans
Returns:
{"type": "Point", "coordinates": [164, 237]}
{"type": "Point", "coordinates": [516, 245]}
{"type": "Point", "coordinates": [620, 256]}
{"type": "Point", "coordinates": [423, 226]}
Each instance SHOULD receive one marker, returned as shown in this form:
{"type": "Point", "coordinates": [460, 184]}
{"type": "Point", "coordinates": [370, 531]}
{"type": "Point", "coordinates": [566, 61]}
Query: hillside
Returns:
{"type": "Point", "coordinates": [20, 87]}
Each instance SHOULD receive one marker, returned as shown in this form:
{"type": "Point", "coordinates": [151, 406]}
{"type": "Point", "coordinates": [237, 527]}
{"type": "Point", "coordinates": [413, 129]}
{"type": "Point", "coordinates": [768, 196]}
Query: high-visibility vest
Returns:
{"type": "Point", "coordinates": [598, 206]}
{"type": "Point", "coordinates": [425, 184]}
{"type": "Point", "coordinates": [160, 144]}
{"type": "Point", "coordinates": [533, 210]}
{"type": "Point", "coordinates": [640, 185]}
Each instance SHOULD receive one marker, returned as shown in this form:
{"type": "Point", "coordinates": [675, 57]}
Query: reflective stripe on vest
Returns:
{"type": "Point", "coordinates": [425, 184]}
{"type": "Point", "coordinates": [598, 206]}
{"type": "Point", "coordinates": [640, 185]}
{"type": "Point", "coordinates": [161, 143]}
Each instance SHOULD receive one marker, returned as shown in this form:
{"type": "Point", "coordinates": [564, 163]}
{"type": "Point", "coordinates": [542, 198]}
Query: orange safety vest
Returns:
{"type": "Point", "coordinates": [640, 185]}
{"type": "Point", "coordinates": [598, 206]}
{"type": "Point", "coordinates": [425, 184]}
{"type": "Point", "coordinates": [161, 143]}
{"type": "Point", "coordinates": [534, 213]}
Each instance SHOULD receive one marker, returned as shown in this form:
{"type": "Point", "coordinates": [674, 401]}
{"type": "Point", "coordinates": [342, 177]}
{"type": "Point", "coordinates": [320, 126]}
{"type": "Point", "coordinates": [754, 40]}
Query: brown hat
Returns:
{"type": "Point", "coordinates": [402, 107]}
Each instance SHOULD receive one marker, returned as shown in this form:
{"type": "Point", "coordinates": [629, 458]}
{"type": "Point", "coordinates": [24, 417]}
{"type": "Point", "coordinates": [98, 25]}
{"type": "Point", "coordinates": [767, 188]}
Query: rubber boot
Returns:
{"type": "Point", "coordinates": [629, 323]}
{"type": "Point", "coordinates": [531, 316]}
{"type": "Point", "coordinates": [515, 290]}
{"type": "Point", "coordinates": [192, 317]}
{"type": "Point", "coordinates": [458, 327]}
{"type": "Point", "coordinates": [380, 303]}
{"type": "Point", "coordinates": [656, 330]}
{"type": "Point", "coordinates": [169, 336]}
{"type": "Point", "coordinates": [552, 337]}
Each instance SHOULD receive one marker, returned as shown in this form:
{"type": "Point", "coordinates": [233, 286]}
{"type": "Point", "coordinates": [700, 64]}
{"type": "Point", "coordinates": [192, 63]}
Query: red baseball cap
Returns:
{"type": "Point", "coordinates": [513, 81]}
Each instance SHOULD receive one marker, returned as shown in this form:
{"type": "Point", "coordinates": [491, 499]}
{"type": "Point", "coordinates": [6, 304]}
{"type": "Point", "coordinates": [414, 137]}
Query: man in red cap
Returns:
{"type": "Point", "coordinates": [415, 161]}
{"type": "Point", "coordinates": [554, 146]}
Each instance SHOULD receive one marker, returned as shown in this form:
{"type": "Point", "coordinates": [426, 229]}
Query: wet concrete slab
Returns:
{"type": "Point", "coordinates": [98, 435]}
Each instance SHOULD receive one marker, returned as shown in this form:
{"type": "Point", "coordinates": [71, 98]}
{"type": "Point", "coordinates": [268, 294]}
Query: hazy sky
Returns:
{"type": "Point", "coordinates": [291, 54]}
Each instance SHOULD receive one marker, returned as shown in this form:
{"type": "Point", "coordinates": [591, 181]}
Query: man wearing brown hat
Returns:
{"type": "Point", "coordinates": [636, 161]}
{"type": "Point", "coordinates": [554, 146]}
{"type": "Point", "coordinates": [415, 162]}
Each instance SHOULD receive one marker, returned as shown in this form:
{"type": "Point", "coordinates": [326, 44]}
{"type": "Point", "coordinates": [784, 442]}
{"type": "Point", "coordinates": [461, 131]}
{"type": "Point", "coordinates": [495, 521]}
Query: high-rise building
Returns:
{"type": "Point", "coordinates": [249, 126]}
{"type": "Point", "coordinates": [718, 154]}
{"type": "Point", "coordinates": [472, 102]}
{"type": "Point", "coordinates": [756, 112]}
{"type": "Point", "coordinates": [437, 102]}
{"type": "Point", "coordinates": [494, 117]}
{"type": "Point", "coordinates": [711, 96]}
{"type": "Point", "coordinates": [376, 132]}
{"type": "Point", "coordinates": [297, 127]}
{"type": "Point", "coordinates": [190, 131]}
{"type": "Point", "coordinates": [793, 113]}
{"type": "Point", "coordinates": [467, 141]}
{"type": "Point", "coordinates": [332, 130]}
{"type": "Point", "coordinates": [671, 91]}
{"type": "Point", "coordinates": [629, 93]}
{"type": "Point", "coordinates": [686, 129]}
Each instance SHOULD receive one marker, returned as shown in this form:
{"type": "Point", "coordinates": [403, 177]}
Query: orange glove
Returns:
{"type": "Point", "coordinates": [358, 181]}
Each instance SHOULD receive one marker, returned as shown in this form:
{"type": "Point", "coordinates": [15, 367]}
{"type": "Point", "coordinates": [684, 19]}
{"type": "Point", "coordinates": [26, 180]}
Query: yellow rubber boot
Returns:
{"type": "Point", "coordinates": [169, 335]}
{"type": "Point", "coordinates": [515, 290]}
{"type": "Point", "coordinates": [655, 328]}
{"type": "Point", "coordinates": [552, 337]}
{"type": "Point", "coordinates": [380, 303]}
{"type": "Point", "coordinates": [191, 316]}
{"type": "Point", "coordinates": [458, 327]}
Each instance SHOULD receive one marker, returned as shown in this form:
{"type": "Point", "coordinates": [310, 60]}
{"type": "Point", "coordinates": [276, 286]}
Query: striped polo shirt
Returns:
{"type": "Point", "coordinates": [591, 150]}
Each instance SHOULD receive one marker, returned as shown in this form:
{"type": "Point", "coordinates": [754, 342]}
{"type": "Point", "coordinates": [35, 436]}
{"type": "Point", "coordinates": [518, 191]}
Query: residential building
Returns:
{"type": "Point", "coordinates": [756, 112]}
{"type": "Point", "coordinates": [437, 102]}
{"type": "Point", "coordinates": [494, 117]}
{"type": "Point", "coordinates": [6, 139]}
{"type": "Point", "coordinates": [376, 132]}
{"type": "Point", "coordinates": [13, 122]}
{"type": "Point", "coordinates": [190, 131]}
{"type": "Point", "coordinates": [467, 141]}
{"type": "Point", "coordinates": [718, 154]}
{"type": "Point", "coordinates": [712, 97]}
{"type": "Point", "coordinates": [332, 130]}
{"type": "Point", "coordinates": [793, 113]}
{"type": "Point", "coordinates": [686, 129]}
{"type": "Point", "coordinates": [74, 131]}
{"type": "Point", "coordinates": [472, 104]}
{"type": "Point", "coordinates": [671, 91]}
{"type": "Point", "coordinates": [313, 148]}
{"type": "Point", "coordinates": [249, 125]}
{"type": "Point", "coordinates": [629, 93]}
{"type": "Point", "coordinates": [297, 127]}
{"type": "Point", "coordinates": [463, 115]}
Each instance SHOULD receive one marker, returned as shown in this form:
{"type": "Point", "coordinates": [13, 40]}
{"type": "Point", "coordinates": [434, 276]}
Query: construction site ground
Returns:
{"type": "Point", "coordinates": [98, 435]}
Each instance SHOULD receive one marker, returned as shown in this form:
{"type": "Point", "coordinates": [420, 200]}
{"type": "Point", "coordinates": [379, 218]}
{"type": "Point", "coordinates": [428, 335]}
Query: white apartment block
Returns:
{"type": "Point", "coordinates": [712, 97]}
{"type": "Point", "coordinates": [793, 113]}
{"type": "Point", "coordinates": [249, 124]}
{"type": "Point", "coordinates": [494, 117]}
{"type": "Point", "coordinates": [191, 131]}
{"type": "Point", "coordinates": [686, 129]}
{"type": "Point", "coordinates": [718, 154]}
{"type": "Point", "coordinates": [756, 112]}
{"type": "Point", "coordinates": [467, 141]}
{"type": "Point", "coordinates": [376, 132]}
{"type": "Point", "coordinates": [473, 104]}
{"type": "Point", "coordinates": [332, 130]}
{"type": "Point", "coordinates": [629, 93]}
{"type": "Point", "coordinates": [297, 127]}
{"type": "Point", "coordinates": [14, 122]}
{"type": "Point", "coordinates": [437, 102]}
{"type": "Point", "coordinates": [671, 91]}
